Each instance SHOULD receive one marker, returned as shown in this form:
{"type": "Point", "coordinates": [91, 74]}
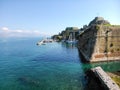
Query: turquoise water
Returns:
{"type": "Point", "coordinates": [54, 66]}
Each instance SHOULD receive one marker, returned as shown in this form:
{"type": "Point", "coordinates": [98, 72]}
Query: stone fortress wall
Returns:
{"type": "Point", "coordinates": [100, 41]}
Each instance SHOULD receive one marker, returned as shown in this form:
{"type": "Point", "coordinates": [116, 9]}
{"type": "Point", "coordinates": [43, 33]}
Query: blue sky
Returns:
{"type": "Point", "coordinates": [47, 17]}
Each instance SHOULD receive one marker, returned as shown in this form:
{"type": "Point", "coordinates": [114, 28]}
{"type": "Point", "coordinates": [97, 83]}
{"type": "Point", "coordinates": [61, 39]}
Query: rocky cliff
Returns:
{"type": "Point", "coordinates": [100, 41]}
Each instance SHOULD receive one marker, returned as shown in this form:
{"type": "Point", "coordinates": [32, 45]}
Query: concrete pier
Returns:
{"type": "Point", "coordinates": [105, 80]}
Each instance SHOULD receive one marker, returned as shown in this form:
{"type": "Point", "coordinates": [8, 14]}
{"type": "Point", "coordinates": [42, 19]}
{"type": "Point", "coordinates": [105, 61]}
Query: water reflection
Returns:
{"type": "Point", "coordinates": [107, 66]}
{"type": "Point", "coordinates": [69, 45]}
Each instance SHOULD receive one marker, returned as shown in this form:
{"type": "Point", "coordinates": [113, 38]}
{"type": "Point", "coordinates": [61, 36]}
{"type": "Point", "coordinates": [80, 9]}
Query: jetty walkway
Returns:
{"type": "Point", "coordinates": [105, 80]}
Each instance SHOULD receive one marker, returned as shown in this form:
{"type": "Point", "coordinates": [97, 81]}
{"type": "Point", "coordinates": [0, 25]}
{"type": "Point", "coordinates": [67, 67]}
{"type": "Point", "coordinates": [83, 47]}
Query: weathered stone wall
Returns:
{"type": "Point", "coordinates": [100, 43]}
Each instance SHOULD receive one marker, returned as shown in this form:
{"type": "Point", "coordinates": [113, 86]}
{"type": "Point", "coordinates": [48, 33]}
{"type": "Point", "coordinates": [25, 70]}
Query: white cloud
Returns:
{"type": "Point", "coordinates": [4, 28]}
{"type": "Point", "coordinates": [19, 31]}
{"type": "Point", "coordinates": [6, 32]}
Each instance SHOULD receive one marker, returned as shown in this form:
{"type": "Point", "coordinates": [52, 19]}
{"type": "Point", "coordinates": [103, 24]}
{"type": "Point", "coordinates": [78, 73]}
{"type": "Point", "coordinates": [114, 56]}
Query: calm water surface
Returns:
{"type": "Point", "coordinates": [54, 66]}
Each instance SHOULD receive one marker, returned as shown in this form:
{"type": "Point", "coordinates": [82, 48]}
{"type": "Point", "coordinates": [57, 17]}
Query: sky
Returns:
{"type": "Point", "coordinates": [34, 18]}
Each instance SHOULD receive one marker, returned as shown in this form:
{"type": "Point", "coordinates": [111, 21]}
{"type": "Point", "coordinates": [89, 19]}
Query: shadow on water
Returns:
{"type": "Point", "coordinates": [69, 45]}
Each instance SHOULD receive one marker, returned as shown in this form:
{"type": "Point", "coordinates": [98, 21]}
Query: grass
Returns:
{"type": "Point", "coordinates": [115, 77]}
{"type": "Point", "coordinates": [117, 80]}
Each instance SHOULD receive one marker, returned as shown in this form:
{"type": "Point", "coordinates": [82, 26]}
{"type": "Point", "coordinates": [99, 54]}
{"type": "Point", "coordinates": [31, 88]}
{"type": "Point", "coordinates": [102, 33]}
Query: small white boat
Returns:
{"type": "Point", "coordinates": [44, 41]}
{"type": "Point", "coordinates": [71, 39]}
{"type": "Point", "coordinates": [41, 43]}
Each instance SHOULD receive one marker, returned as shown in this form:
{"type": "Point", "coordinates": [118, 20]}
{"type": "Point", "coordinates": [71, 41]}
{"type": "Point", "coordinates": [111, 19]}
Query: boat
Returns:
{"type": "Point", "coordinates": [41, 43]}
{"type": "Point", "coordinates": [44, 41]}
{"type": "Point", "coordinates": [71, 39]}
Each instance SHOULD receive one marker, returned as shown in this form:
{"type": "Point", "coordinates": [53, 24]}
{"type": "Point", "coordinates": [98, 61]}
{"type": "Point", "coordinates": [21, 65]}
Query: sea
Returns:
{"type": "Point", "coordinates": [54, 66]}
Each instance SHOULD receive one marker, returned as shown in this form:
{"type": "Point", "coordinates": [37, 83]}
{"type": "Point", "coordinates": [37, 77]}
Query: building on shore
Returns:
{"type": "Point", "coordinates": [100, 41]}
